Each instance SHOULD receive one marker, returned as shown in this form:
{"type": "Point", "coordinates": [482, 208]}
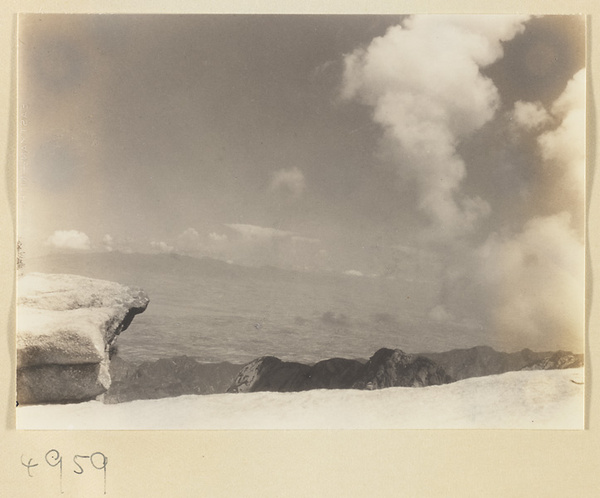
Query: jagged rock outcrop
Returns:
{"type": "Point", "coordinates": [167, 377]}
{"type": "Point", "coordinates": [395, 368]}
{"type": "Point", "coordinates": [557, 361]}
{"type": "Point", "coordinates": [386, 368]}
{"type": "Point", "coordinates": [65, 327]}
{"type": "Point", "coordinates": [272, 374]}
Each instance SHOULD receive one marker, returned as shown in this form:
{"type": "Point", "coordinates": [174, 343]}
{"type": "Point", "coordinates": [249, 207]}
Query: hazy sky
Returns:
{"type": "Point", "coordinates": [448, 149]}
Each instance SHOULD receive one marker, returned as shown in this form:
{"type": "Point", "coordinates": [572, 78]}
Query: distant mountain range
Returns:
{"type": "Point", "coordinates": [118, 266]}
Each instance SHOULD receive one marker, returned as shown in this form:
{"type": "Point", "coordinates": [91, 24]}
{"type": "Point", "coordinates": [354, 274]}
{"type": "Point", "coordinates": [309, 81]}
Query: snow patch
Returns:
{"type": "Point", "coordinates": [546, 399]}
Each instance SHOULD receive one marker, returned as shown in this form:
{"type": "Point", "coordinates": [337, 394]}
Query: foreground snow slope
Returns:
{"type": "Point", "coordinates": [550, 399]}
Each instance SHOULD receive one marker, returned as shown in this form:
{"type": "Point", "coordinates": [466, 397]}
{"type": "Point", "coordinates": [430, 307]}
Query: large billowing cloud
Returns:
{"type": "Point", "coordinates": [561, 141]}
{"type": "Point", "coordinates": [526, 286]}
{"type": "Point", "coordinates": [423, 80]}
{"type": "Point", "coordinates": [530, 283]}
{"type": "Point", "coordinates": [70, 240]}
{"type": "Point", "coordinates": [563, 148]}
{"type": "Point", "coordinates": [424, 84]}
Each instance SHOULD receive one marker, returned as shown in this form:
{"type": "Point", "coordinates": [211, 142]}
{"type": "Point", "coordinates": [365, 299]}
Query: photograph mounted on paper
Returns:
{"type": "Point", "coordinates": [300, 221]}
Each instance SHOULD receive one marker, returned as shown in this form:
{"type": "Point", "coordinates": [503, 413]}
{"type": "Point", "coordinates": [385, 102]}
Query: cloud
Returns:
{"type": "Point", "coordinates": [424, 84]}
{"type": "Point", "coordinates": [256, 246]}
{"type": "Point", "coordinates": [69, 239]}
{"type": "Point", "coordinates": [561, 142]}
{"type": "Point", "coordinates": [530, 282]}
{"type": "Point", "coordinates": [288, 181]}
{"type": "Point", "coordinates": [162, 247]}
{"type": "Point", "coordinates": [354, 273]}
{"type": "Point", "coordinates": [530, 115]}
{"type": "Point", "coordinates": [108, 243]}
{"type": "Point", "coordinates": [304, 240]}
{"type": "Point", "coordinates": [217, 237]}
{"type": "Point", "coordinates": [246, 244]}
{"type": "Point", "coordinates": [258, 233]}
{"type": "Point", "coordinates": [563, 148]}
{"type": "Point", "coordinates": [189, 241]}
{"type": "Point", "coordinates": [322, 71]}
{"type": "Point", "coordinates": [528, 285]}
{"type": "Point", "coordinates": [573, 97]}
{"type": "Point", "coordinates": [190, 233]}
{"type": "Point", "coordinates": [440, 314]}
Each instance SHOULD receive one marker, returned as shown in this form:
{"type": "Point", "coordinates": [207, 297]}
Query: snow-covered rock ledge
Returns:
{"type": "Point", "coordinates": [65, 327]}
{"type": "Point", "coordinates": [541, 399]}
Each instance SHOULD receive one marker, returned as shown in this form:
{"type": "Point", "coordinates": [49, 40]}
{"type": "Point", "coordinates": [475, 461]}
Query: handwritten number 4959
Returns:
{"type": "Point", "coordinates": [53, 458]}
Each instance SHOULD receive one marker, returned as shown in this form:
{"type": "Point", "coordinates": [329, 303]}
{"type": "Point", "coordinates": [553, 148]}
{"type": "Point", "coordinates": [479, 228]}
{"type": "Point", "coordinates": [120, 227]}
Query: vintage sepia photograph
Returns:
{"type": "Point", "coordinates": [300, 221]}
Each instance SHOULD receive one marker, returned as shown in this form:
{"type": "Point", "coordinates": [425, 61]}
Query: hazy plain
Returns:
{"type": "Point", "coordinates": [214, 311]}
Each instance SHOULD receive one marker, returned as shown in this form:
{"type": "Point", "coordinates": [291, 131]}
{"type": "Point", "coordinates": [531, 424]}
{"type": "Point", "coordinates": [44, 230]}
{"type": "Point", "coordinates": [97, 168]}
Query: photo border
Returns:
{"type": "Point", "coordinates": [300, 463]}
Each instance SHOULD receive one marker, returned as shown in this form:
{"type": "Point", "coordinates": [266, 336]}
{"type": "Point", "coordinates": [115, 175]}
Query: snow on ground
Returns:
{"type": "Point", "coordinates": [542, 399]}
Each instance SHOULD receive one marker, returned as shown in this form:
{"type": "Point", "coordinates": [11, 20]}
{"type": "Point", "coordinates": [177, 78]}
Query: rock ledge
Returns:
{"type": "Point", "coordinates": [65, 327]}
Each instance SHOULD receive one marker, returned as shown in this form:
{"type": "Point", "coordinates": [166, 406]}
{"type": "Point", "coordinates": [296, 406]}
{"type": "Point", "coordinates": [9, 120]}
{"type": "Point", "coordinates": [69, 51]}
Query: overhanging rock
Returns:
{"type": "Point", "coordinates": [65, 326]}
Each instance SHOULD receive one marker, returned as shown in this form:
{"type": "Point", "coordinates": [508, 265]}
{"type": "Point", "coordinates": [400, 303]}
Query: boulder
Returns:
{"type": "Point", "coordinates": [395, 368]}
{"type": "Point", "coordinates": [65, 327]}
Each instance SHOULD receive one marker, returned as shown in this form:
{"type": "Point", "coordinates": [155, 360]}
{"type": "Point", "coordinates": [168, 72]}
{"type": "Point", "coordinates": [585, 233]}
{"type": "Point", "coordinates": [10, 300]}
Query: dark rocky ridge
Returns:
{"type": "Point", "coordinates": [558, 360]}
{"type": "Point", "coordinates": [394, 368]}
{"type": "Point", "coordinates": [166, 378]}
{"type": "Point", "coordinates": [184, 375]}
{"type": "Point", "coordinates": [386, 368]}
{"type": "Point", "coordinates": [483, 360]}
{"type": "Point", "coordinates": [271, 374]}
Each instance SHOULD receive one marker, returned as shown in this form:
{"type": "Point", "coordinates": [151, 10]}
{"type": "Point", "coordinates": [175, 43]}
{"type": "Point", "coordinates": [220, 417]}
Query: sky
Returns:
{"type": "Point", "coordinates": [444, 149]}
